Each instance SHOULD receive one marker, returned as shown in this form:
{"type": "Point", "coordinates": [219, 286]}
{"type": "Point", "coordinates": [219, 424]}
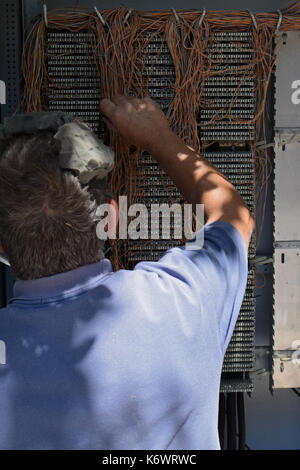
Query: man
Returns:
{"type": "Point", "coordinates": [124, 360]}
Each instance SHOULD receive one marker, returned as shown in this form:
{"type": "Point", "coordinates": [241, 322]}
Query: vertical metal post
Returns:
{"type": "Point", "coordinates": [10, 52]}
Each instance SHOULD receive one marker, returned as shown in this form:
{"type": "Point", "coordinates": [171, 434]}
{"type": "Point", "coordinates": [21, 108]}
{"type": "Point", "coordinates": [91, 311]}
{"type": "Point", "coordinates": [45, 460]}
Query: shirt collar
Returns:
{"type": "Point", "coordinates": [62, 285]}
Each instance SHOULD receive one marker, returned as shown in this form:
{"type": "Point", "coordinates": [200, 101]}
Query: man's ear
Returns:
{"type": "Point", "coordinates": [114, 203]}
{"type": "Point", "coordinates": [1, 248]}
{"type": "Point", "coordinates": [111, 226]}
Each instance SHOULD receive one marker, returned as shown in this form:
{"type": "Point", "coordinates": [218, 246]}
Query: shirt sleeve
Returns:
{"type": "Point", "coordinates": [214, 274]}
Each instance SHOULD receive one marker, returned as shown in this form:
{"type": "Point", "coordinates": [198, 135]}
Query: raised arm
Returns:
{"type": "Point", "coordinates": [143, 124]}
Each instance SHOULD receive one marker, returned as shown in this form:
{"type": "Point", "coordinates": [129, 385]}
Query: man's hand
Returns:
{"type": "Point", "coordinates": [140, 121]}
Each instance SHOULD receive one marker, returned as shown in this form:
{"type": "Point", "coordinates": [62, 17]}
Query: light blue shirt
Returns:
{"type": "Point", "coordinates": [122, 360]}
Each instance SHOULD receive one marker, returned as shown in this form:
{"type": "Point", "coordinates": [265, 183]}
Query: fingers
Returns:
{"type": "Point", "coordinates": [120, 99]}
{"type": "Point", "coordinates": [150, 103]}
{"type": "Point", "coordinates": [140, 103]}
{"type": "Point", "coordinates": [109, 124]}
{"type": "Point", "coordinates": [149, 100]}
{"type": "Point", "coordinates": [126, 102]}
{"type": "Point", "coordinates": [107, 107]}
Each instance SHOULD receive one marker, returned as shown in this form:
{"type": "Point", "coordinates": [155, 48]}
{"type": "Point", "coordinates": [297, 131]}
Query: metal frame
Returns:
{"type": "Point", "coordinates": [10, 51]}
{"type": "Point", "coordinates": [286, 327]}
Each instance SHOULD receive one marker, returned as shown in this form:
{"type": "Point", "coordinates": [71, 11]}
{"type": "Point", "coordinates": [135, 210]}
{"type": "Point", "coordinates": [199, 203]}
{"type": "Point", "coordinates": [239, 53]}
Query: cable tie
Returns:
{"type": "Point", "coordinates": [253, 19]}
{"type": "Point", "coordinates": [264, 145]}
{"type": "Point", "coordinates": [127, 15]}
{"type": "Point", "coordinates": [261, 260]}
{"type": "Point", "coordinates": [295, 135]}
{"type": "Point", "coordinates": [45, 14]}
{"type": "Point", "coordinates": [279, 21]}
{"type": "Point", "coordinates": [202, 17]}
{"type": "Point", "coordinates": [292, 138]}
{"type": "Point", "coordinates": [175, 14]}
{"type": "Point", "coordinates": [100, 17]}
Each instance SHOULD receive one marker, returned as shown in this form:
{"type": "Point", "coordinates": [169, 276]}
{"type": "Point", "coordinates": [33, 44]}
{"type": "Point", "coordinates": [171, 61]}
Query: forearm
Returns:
{"type": "Point", "coordinates": [200, 182]}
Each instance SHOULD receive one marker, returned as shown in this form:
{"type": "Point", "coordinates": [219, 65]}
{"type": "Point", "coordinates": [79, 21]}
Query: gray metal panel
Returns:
{"type": "Point", "coordinates": [285, 374]}
{"type": "Point", "coordinates": [286, 370]}
{"type": "Point", "coordinates": [287, 297]}
{"type": "Point", "coordinates": [288, 80]}
{"type": "Point", "coordinates": [286, 328]}
{"type": "Point", "coordinates": [287, 190]}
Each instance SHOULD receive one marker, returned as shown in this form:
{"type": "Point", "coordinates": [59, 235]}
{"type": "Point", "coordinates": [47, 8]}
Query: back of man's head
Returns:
{"type": "Point", "coordinates": [47, 220]}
